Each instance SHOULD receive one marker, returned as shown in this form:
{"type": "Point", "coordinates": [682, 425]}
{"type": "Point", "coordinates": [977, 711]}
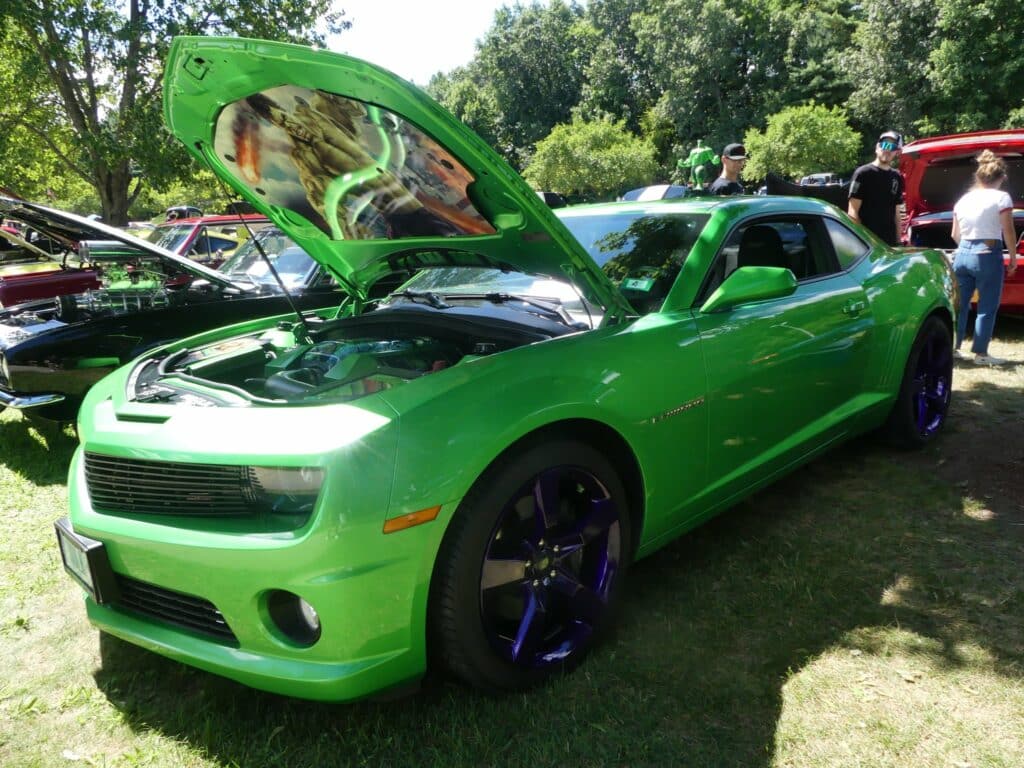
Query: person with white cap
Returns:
{"type": "Point", "coordinates": [734, 157]}
{"type": "Point", "coordinates": [876, 190]}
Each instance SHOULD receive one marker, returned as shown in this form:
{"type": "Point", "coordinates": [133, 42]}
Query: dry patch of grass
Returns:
{"type": "Point", "coordinates": [892, 699]}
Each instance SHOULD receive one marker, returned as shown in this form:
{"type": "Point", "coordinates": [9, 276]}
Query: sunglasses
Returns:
{"type": "Point", "coordinates": [887, 146]}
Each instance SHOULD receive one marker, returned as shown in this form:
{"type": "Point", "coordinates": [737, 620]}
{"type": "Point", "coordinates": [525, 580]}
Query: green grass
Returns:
{"type": "Point", "coordinates": [866, 611]}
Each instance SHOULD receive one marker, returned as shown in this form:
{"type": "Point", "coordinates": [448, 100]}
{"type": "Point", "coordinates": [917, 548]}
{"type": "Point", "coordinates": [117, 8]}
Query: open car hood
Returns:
{"type": "Point", "coordinates": [362, 169]}
{"type": "Point", "coordinates": [71, 230]}
{"type": "Point", "coordinates": [938, 170]}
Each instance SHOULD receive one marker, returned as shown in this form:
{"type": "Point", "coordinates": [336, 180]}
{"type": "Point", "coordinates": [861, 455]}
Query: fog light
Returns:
{"type": "Point", "coordinates": [294, 617]}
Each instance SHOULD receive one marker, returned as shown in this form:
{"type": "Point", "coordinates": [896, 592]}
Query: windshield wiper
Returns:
{"type": "Point", "coordinates": [553, 309]}
{"type": "Point", "coordinates": [430, 297]}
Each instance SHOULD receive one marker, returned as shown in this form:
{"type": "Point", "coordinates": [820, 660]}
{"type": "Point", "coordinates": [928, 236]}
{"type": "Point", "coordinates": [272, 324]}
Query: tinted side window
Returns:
{"type": "Point", "coordinates": [848, 247]}
{"type": "Point", "coordinates": [796, 243]}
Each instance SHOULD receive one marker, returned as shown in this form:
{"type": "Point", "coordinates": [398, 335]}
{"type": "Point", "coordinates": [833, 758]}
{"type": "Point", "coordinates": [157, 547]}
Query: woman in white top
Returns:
{"type": "Point", "coordinates": [982, 224]}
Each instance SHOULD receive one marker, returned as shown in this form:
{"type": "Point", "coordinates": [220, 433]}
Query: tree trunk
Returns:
{"type": "Point", "coordinates": [113, 185]}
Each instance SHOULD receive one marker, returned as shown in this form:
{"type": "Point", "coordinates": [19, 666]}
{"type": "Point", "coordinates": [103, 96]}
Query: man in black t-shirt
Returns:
{"type": "Point", "coordinates": [734, 157]}
{"type": "Point", "coordinates": [876, 190]}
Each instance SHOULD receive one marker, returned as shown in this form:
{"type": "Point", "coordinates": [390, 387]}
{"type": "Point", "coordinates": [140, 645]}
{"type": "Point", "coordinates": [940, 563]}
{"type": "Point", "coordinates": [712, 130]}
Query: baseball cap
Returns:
{"type": "Point", "coordinates": [735, 152]}
{"type": "Point", "coordinates": [891, 137]}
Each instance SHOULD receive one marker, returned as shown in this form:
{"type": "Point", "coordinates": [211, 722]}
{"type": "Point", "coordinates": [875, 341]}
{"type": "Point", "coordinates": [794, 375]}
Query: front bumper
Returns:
{"type": "Point", "coordinates": [369, 590]}
{"type": "Point", "coordinates": [322, 681]}
{"type": "Point", "coordinates": [28, 401]}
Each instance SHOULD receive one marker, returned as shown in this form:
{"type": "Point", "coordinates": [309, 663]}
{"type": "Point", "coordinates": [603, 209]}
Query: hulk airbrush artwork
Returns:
{"type": "Point", "coordinates": [358, 171]}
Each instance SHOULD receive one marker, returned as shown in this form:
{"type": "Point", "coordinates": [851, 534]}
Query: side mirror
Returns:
{"type": "Point", "coordinates": [748, 284]}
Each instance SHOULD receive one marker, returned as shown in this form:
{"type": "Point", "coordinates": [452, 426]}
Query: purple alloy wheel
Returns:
{"type": "Point", "coordinates": [932, 385]}
{"type": "Point", "coordinates": [549, 567]}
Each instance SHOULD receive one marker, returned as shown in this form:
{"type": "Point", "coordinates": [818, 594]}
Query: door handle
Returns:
{"type": "Point", "coordinates": [854, 307]}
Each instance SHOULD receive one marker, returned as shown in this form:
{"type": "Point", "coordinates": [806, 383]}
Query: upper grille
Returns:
{"type": "Point", "coordinates": [192, 613]}
{"type": "Point", "coordinates": [136, 486]}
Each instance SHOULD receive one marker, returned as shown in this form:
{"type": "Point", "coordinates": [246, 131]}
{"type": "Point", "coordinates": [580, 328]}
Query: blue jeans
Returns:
{"type": "Point", "coordinates": [978, 266]}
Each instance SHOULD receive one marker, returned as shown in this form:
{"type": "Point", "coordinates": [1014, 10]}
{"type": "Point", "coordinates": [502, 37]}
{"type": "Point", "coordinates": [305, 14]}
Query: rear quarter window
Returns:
{"type": "Point", "coordinates": [848, 247]}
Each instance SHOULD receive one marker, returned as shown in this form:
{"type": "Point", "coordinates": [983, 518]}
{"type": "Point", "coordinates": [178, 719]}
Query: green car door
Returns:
{"type": "Point", "coordinates": [783, 373]}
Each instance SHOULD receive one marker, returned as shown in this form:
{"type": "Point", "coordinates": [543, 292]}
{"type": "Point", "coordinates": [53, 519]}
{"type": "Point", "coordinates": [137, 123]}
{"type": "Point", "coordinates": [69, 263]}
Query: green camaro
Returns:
{"type": "Point", "coordinates": [463, 472]}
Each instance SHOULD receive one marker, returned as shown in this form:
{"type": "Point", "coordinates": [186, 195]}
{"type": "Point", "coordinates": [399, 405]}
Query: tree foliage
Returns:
{"type": "Point", "coordinates": [976, 67]}
{"type": "Point", "coordinates": [890, 62]}
{"type": "Point", "coordinates": [802, 140]}
{"type": "Point", "coordinates": [467, 93]}
{"type": "Point", "coordinates": [619, 79]}
{"type": "Point", "coordinates": [591, 160]}
{"type": "Point", "coordinates": [527, 76]}
{"type": "Point", "coordinates": [83, 77]}
{"type": "Point", "coordinates": [26, 168]}
{"type": "Point", "coordinates": [96, 65]}
{"type": "Point", "coordinates": [719, 64]}
{"type": "Point", "coordinates": [818, 35]}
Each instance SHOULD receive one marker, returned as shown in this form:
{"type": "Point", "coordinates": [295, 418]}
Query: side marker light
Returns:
{"type": "Point", "coordinates": [410, 520]}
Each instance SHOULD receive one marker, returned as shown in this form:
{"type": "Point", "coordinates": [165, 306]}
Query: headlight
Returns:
{"type": "Point", "coordinates": [286, 489]}
{"type": "Point", "coordinates": [5, 374]}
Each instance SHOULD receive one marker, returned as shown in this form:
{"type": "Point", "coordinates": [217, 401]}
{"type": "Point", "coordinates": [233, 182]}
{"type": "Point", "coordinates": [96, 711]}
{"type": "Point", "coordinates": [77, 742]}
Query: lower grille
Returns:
{"type": "Point", "coordinates": [136, 486]}
{"type": "Point", "coordinates": [181, 610]}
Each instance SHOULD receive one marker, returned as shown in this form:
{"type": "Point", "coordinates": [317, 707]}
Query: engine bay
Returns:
{"type": "Point", "coordinates": [136, 286]}
{"type": "Point", "coordinates": [342, 360]}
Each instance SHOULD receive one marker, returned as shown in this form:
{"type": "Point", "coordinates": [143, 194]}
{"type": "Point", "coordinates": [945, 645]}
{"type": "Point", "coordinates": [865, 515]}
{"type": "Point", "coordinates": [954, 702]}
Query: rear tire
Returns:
{"type": "Point", "coordinates": [530, 570]}
{"type": "Point", "coordinates": [922, 403]}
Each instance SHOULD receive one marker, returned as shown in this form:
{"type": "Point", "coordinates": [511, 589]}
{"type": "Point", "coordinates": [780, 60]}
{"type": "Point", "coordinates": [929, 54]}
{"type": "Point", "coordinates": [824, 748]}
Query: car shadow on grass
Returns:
{"type": "Point", "coordinates": [862, 540]}
{"type": "Point", "coordinates": [40, 452]}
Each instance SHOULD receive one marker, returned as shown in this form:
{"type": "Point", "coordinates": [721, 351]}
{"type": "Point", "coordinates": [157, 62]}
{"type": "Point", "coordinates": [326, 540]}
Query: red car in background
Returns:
{"type": "Point", "coordinates": [206, 239]}
{"type": "Point", "coordinates": [40, 270]}
{"type": "Point", "coordinates": [938, 170]}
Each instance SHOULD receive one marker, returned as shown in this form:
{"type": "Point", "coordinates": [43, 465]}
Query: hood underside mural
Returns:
{"type": "Point", "coordinates": [359, 172]}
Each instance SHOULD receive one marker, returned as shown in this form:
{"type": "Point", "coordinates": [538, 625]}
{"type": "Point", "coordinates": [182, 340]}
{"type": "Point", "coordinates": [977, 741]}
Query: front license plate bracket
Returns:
{"type": "Point", "coordinates": [87, 563]}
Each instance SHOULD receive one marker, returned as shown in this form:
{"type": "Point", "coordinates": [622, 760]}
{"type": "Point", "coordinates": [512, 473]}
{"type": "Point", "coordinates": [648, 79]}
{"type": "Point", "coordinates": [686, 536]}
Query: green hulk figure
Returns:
{"type": "Point", "coordinates": [695, 166]}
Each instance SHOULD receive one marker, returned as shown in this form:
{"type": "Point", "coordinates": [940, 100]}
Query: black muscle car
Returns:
{"type": "Point", "coordinates": [53, 350]}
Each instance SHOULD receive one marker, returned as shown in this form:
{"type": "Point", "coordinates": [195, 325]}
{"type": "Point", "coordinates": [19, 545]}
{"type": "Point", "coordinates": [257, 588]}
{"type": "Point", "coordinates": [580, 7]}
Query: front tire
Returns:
{"type": "Point", "coordinates": [530, 570]}
{"type": "Point", "coordinates": [923, 401]}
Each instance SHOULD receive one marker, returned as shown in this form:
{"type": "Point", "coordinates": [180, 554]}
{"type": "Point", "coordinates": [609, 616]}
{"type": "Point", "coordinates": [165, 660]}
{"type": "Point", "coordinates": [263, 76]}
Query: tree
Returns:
{"type": "Point", "coordinates": [27, 170]}
{"type": "Point", "coordinates": [889, 64]}
{"type": "Point", "coordinates": [819, 35]}
{"type": "Point", "coordinates": [466, 94]}
{"type": "Point", "coordinates": [618, 80]}
{"type": "Point", "coordinates": [1015, 119]}
{"type": "Point", "coordinates": [719, 64]}
{"type": "Point", "coordinates": [199, 189]}
{"type": "Point", "coordinates": [100, 78]}
{"type": "Point", "coordinates": [591, 160]}
{"type": "Point", "coordinates": [533, 59]}
{"type": "Point", "coordinates": [802, 140]}
{"type": "Point", "coordinates": [976, 68]}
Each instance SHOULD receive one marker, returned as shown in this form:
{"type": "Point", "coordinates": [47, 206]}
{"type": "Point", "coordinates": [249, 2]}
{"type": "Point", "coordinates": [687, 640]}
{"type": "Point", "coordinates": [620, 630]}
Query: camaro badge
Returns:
{"type": "Point", "coordinates": [677, 410]}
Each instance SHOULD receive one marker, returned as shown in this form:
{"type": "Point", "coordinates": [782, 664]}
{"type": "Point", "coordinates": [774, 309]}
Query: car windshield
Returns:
{"type": "Point", "coordinates": [453, 281]}
{"type": "Point", "coordinates": [291, 262]}
{"type": "Point", "coordinates": [171, 238]}
{"type": "Point", "coordinates": [639, 252]}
